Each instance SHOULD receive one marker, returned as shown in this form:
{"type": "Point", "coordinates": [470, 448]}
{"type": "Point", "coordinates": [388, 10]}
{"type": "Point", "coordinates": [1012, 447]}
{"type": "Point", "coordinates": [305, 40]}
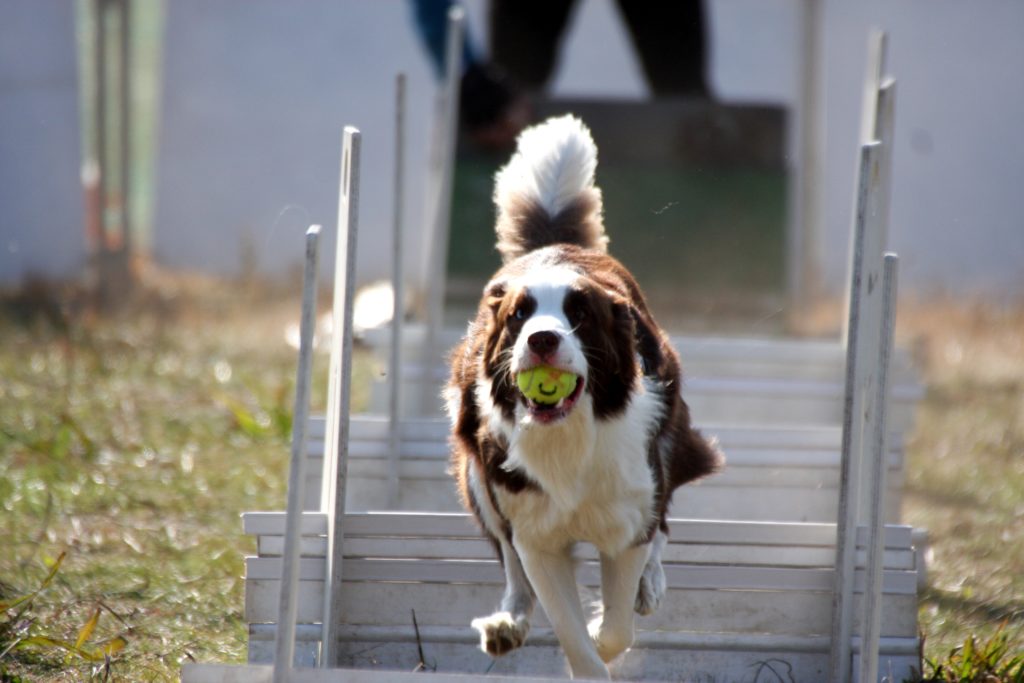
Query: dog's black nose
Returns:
{"type": "Point", "coordinates": [543, 343]}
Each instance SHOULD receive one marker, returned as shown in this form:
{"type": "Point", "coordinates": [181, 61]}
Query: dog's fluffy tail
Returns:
{"type": "Point", "coordinates": [545, 195]}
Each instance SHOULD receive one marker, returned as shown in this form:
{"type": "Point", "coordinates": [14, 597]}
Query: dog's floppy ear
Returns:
{"type": "Point", "coordinates": [619, 353]}
{"type": "Point", "coordinates": [648, 341]}
{"type": "Point", "coordinates": [494, 297]}
{"type": "Point", "coordinates": [494, 294]}
{"type": "Point", "coordinates": [613, 368]}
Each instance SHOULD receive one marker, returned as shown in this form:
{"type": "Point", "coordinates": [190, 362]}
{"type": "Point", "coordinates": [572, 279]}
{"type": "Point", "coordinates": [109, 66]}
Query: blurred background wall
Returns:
{"type": "Point", "coordinates": [255, 92]}
{"type": "Point", "coordinates": [41, 213]}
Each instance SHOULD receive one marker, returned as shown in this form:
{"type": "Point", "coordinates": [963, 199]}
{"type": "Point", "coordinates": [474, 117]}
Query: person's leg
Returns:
{"type": "Point", "coordinates": [670, 39]}
{"type": "Point", "coordinates": [525, 37]}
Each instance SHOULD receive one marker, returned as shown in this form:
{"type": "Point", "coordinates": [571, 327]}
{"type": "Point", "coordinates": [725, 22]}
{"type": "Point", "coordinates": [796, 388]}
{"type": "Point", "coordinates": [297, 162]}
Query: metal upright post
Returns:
{"type": "Point", "coordinates": [398, 290]}
{"type": "Point", "coordinates": [871, 620]}
{"type": "Point", "coordinates": [875, 241]}
{"type": "Point", "coordinates": [332, 498]}
{"type": "Point", "coordinates": [125, 121]}
{"type": "Point", "coordinates": [876, 56]}
{"type": "Point", "coordinates": [437, 264]}
{"type": "Point", "coordinates": [284, 646]}
{"type": "Point", "coordinates": [849, 493]}
{"type": "Point", "coordinates": [806, 194]}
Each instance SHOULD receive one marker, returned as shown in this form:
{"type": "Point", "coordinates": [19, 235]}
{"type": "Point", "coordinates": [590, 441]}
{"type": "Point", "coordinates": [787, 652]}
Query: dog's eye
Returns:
{"type": "Point", "coordinates": [519, 313]}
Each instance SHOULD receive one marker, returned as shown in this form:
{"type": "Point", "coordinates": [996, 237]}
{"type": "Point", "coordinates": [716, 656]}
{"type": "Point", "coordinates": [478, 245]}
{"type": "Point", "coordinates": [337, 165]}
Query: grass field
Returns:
{"type": "Point", "coordinates": [130, 444]}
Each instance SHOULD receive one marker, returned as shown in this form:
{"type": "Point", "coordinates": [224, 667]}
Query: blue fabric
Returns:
{"type": "Point", "coordinates": [431, 18]}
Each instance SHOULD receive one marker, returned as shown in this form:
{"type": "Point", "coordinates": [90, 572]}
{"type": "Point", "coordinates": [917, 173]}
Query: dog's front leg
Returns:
{"type": "Point", "coordinates": [620, 575]}
{"type": "Point", "coordinates": [506, 629]}
{"type": "Point", "coordinates": [553, 576]}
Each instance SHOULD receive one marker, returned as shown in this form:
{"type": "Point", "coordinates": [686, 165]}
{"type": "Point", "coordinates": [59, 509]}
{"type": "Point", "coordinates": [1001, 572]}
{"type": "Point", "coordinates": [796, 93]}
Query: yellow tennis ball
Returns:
{"type": "Point", "coordinates": [545, 384]}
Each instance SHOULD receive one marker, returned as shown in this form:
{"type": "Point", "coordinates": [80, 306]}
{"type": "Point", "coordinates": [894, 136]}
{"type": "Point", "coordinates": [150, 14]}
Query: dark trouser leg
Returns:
{"type": "Point", "coordinates": [670, 39]}
{"type": "Point", "coordinates": [525, 37]}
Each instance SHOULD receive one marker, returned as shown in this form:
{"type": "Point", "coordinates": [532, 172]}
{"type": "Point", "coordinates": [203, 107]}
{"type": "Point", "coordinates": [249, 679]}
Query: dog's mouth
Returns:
{"type": "Point", "coordinates": [547, 413]}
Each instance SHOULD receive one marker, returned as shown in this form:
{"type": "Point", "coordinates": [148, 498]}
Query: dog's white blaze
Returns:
{"type": "Point", "coordinates": [595, 482]}
{"type": "Point", "coordinates": [549, 287]}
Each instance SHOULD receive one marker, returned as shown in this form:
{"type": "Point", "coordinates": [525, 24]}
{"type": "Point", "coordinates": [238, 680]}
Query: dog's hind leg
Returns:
{"type": "Point", "coordinates": [652, 581]}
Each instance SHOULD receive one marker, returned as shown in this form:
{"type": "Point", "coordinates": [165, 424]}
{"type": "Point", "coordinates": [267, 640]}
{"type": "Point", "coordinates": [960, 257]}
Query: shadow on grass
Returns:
{"type": "Point", "coordinates": [959, 499]}
{"type": "Point", "coordinates": [1008, 611]}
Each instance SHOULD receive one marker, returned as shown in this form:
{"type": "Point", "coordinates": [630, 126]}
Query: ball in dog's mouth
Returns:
{"type": "Point", "coordinates": [549, 393]}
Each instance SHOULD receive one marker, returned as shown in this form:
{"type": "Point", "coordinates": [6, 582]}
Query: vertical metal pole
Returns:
{"type": "Point", "coordinates": [878, 49]}
{"type": "Point", "coordinates": [806, 190]}
{"type": "Point", "coordinates": [875, 238]}
{"type": "Point", "coordinates": [100, 105]}
{"type": "Point", "coordinates": [124, 116]}
{"type": "Point", "coordinates": [877, 46]}
{"type": "Point", "coordinates": [849, 495]}
{"type": "Point", "coordinates": [398, 289]}
{"type": "Point", "coordinates": [872, 605]}
{"type": "Point", "coordinates": [437, 265]}
{"type": "Point", "coordinates": [284, 646]}
{"type": "Point", "coordinates": [332, 498]}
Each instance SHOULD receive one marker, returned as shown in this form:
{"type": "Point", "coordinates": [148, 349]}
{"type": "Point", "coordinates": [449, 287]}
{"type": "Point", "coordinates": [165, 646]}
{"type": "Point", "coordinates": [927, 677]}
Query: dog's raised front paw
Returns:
{"type": "Point", "coordinates": [651, 589]}
{"type": "Point", "coordinates": [501, 632]}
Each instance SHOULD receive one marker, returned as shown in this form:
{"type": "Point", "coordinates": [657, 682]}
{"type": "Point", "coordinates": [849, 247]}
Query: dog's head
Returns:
{"type": "Point", "coordinates": [568, 309]}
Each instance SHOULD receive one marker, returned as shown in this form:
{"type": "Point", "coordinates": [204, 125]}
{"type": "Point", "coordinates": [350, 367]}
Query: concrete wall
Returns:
{"type": "Point", "coordinates": [41, 229]}
{"type": "Point", "coordinates": [957, 209]}
{"type": "Point", "coordinates": [256, 93]}
{"type": "Point", "coordinates": [255, 96]}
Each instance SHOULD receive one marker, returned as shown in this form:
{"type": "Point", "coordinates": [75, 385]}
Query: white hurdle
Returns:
{"type": "Point", "coordinates": [743, 598]}
{"type": "Point", "coordinates": [741, 595]}
{"type": "Point", "coordinates": [868, 354]}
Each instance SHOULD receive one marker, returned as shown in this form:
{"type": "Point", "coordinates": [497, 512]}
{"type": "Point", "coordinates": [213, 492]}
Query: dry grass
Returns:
{"type": "Point", "coordinates": [966, 468]}
{"type": "Point", "coordinates": [965, 463]}
{"type": "Point", "coordinates": [131, 443]}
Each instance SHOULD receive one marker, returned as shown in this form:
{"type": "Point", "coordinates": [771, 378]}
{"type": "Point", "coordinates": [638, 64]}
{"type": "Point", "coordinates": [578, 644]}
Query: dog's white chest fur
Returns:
{"type": "Point", "coordinates": [596, 485]}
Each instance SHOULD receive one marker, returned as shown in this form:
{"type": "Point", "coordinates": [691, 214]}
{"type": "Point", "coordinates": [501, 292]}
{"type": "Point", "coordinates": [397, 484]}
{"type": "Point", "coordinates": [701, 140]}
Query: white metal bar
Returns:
{"type": "Point", "coordinates": [437, 266]}
{"type": "Point", "coordinates": [806, 194]}
{"type": "Point", "coordinates": [872, 605]}
{"type": "Point", "coordinates": [367, 427]}
{"type": "Point", "coordinates": [842, 598]}
{"type": "Point", "coordinates": [284, 647]}
{"type": "Point", "coordinates": [332, 498]}
{"type": "Point", "coordinates": [699, 610]}
{"type": "Point", "coordinates": [271, 547]}
{"type": "Point", "coordinates": [885, 133]}
{"type": "Point", "coordinates": [652, 639]}
{"type": "Point", "coordinates": [398, 294]}
{"type": "Point", "coordinates": [444, 525]}
{"type": "Point", "coordinates": [876, 56]}
{"type": "Point", "coordinates": [677, 576]}
{"type": "Point", "coordinates": [875, 239]}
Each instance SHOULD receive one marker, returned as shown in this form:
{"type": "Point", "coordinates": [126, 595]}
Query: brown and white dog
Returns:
{"type": "Point", "coordinates": [600, 466]}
